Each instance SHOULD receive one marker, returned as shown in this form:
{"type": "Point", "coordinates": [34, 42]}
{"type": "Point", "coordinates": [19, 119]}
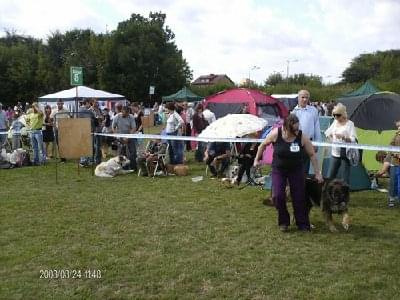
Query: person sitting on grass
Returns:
{"type": "Point", "coordinates": [384, 158]}
{"type": "Point", "coordinates": [217, 157]}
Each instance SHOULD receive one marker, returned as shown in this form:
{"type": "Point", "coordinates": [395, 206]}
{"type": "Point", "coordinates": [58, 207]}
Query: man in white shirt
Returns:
{"type": "Point", "coordinates": [309, 121]}
{"type": "Point", "coordinates": [209, 116]}
{"type": "Point", "coordinates": [175, 126]}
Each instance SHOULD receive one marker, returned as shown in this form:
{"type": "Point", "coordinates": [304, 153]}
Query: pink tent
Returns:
{"type": "Point", "coordinates": [238, 100]}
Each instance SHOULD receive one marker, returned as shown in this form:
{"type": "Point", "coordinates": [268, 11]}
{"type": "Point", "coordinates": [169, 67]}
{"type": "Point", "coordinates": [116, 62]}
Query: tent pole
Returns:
{"type": "Point", "coordinates": [93, 151]}
{"type": "Point", "coordinates": [57, 158]}
{"type": "Point", "coordinates": [76, 102]}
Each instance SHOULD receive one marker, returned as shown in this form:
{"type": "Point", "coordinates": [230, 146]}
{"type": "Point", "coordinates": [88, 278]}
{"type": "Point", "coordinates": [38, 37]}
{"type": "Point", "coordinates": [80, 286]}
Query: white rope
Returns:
{"type": "Point", "coordinates": [245, 140]}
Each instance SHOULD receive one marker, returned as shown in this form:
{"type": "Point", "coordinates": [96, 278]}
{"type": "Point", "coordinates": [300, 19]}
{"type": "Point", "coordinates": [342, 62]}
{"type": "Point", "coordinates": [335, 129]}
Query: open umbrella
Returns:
{"type": "Point", "coordinates": [234, 125]}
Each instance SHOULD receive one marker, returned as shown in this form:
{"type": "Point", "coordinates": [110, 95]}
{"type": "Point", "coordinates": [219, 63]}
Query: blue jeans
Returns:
{"type": "Point", "coordinates": [394, 183]}
{"type": "Point", "coordinates": [129, 150]}
{"type": "Point", "coordinates": [175, 150]}
{"type": "Point", "coordinates": [97, 149]}
{"type": "Point", "coordinates": [334, 168]}
{"type": "Point", "coordinates": [37, 146]}
{"type": "Point", "coordinates": [3, 137]}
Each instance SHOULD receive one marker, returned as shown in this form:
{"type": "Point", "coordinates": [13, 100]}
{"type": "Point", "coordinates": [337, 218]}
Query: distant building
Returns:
{"type": "Point", "coordinates": [212, 79]}
{"type": "Point", "coordinates": [246, 82]}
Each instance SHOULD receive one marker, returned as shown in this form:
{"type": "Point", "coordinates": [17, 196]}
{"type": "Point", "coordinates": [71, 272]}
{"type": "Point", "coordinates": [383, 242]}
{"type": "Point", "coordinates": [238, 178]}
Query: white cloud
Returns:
{"type": "Point", "coordinates": [231, 36]}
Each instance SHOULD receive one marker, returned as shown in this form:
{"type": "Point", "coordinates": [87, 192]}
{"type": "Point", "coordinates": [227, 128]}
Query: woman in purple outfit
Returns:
{"type": "Point", "coordinates": [290, 146]}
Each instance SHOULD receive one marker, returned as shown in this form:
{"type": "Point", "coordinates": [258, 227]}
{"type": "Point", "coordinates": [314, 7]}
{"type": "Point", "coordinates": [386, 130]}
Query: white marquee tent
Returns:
{"type": "Point", "coordinates": [72, 96]}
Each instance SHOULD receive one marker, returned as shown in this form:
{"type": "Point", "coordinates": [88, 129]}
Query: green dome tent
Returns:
{"type": "Point", "coordinates": [374, 114]}
{"type": "Point", "coordinates": [366, 89]}
{"type": "Point", "coordinates": [183, 95]}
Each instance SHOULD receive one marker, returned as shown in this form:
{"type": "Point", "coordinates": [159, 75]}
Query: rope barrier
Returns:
{"type": "Point", "coordinates": [246, 140]}
{"type": "Point", "coordinates": [241, 140]}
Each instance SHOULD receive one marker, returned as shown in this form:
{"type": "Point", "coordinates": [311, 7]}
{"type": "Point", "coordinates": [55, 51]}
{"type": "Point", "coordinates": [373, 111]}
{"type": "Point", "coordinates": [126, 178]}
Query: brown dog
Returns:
{"type": "Point", "coordinates": [335, 197]}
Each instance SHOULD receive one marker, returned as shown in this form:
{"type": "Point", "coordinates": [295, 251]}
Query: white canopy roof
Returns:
{"type": "Point", "coordinates": [83, 92]}
{"type": "Point", "coordinates": [284, 96]}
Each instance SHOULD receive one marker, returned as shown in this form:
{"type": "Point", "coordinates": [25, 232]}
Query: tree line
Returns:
{"type": "Point", "coordinates": [382, 68]}
{"type": "Point", "coordinates": [140, 53]}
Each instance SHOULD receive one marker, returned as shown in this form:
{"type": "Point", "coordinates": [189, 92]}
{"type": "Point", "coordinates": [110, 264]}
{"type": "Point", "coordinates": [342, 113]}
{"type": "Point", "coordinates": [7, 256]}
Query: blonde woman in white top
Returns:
{"type": "Point", "coordinates": [175, 126]}
{"type": "Point", "coordinates": [342, 130]}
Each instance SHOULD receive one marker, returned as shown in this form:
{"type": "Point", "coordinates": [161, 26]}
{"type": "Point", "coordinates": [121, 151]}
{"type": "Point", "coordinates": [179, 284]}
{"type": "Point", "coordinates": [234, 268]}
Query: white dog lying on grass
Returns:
{"type": "Point", "coordinates": [113, 167]}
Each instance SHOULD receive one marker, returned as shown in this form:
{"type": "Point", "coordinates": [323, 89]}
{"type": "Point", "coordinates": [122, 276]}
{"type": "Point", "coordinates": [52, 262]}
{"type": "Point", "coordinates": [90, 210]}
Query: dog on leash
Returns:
{"type": "Point", "coordinates": [335, 198]}
{"type": "Point", "coordinates": [113, 167]}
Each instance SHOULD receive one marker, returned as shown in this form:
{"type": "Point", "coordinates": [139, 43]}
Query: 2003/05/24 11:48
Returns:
{"type": "Point", "coordinates": [70, 274]}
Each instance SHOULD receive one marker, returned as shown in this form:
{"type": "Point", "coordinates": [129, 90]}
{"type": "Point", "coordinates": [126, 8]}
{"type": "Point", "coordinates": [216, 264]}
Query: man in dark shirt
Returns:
{"type": "Point", "coordinates": [125, 123]}
{"type": "Point", "coordinates": [85, 112]}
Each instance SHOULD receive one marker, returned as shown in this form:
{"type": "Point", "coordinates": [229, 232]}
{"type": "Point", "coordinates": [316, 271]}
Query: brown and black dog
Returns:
{"type": "Point", "coordinates": [332, 196]}
{"type": "Point", "coordinates": [335, 198]}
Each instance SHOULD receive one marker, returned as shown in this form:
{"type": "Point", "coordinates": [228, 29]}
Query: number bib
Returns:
{"type": "Point", "coordinates": [294, 147]}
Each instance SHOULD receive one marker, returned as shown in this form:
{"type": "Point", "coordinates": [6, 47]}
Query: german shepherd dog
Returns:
{"type": "Point", "coordinates": [335, 197]}
{"type": "Point", "coordinates": [332, 196]}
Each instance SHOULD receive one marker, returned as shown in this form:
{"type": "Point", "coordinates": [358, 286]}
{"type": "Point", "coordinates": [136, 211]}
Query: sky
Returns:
{"type": "Point", "coordinates": [239, 38]}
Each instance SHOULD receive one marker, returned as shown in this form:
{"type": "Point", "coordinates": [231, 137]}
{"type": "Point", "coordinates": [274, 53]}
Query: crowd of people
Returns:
{"type": "Point", "coordinates": [292, 143]}
{"type": "Point", "coordinates": [42, 125]}
{"type": "Point", "coordinates": [324, 108]}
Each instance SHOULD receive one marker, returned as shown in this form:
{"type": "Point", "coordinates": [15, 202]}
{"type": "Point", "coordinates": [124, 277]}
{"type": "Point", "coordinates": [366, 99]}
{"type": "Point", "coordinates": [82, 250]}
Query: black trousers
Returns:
{"type": "Point", "coordinates": [245, 164]}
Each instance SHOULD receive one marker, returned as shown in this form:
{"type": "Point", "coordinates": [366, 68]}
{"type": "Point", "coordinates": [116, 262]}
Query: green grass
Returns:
{"type": "Point", "coordinates": [170, 238]}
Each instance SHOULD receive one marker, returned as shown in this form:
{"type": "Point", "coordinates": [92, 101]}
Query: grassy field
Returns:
{"type": "Point", "coordinates": [170, 238]}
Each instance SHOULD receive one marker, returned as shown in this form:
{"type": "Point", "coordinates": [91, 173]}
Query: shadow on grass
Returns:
{"type": "Point", "coordinates": [371, 232]}
{"type": "Point", "coordinates": [357, 231]}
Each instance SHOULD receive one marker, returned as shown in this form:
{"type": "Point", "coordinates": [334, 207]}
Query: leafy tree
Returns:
{"type": "Point", "coordinates": [274, 79]}
{"type": "Point", "coordinates": [380, 65]}
{"type": "Point", "coordinates": [18, 64]}
{"type": "Point", "coordinates": [142, 53]}
{"type": "Point", "coordinates": [74, 48]}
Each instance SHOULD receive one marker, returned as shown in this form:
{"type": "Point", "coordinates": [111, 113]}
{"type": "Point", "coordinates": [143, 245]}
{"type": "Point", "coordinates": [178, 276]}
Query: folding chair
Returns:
{"type": "Point", "coordinates": [158, 162]}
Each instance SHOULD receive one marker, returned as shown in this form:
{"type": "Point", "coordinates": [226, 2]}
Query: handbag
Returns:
{"type": "Point", "coordinates": [353, 155]}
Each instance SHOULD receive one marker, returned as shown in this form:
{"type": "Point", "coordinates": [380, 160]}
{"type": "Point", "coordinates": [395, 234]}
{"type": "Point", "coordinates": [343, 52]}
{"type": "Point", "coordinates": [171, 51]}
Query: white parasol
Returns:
{"type": "Point", "coordinates": [234, 125]}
